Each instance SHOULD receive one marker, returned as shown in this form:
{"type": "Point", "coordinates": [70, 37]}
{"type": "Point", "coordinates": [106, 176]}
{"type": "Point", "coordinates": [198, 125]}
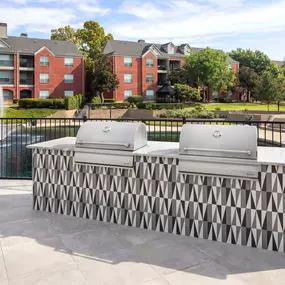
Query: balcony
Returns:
{"type": "Point", "coordinates": [26, 78]}
{"type": "Point", "coordinates": [6, 81]}
{"type": "Point", "coordinates": [26, 62]}
{"type": "Point", "coordinates": [29, 81]}
{"type": "Point", "coordinates": [6, 63]}
{"type": "Point", "coordinates": [161, 66]}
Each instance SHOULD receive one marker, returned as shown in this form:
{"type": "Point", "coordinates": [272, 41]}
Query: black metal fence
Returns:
{"type": "Point", "coordinates": [16, 134]}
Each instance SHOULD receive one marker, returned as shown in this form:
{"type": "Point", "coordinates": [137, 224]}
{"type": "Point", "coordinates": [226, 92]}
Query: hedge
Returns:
{"type": "Point", "coordinates": [37, 103]}
{"type": "Point", "coordinates": [109, 100]}
{"type": "Point", "coordinates": [96, 100]}
{"type": "Point", "coordinates": [73, 102]}
{"type": "Point", "coordinates": [123, 105]}
{"type": "Point", "coordinates": [194, 114]}
{"type": "Point", "coordinates": [160, 106]}
{"type": "Point", "coordinates": [135, 99]}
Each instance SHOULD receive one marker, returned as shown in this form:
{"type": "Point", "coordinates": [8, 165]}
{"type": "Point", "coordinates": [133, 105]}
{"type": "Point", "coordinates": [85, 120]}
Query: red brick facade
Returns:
{"type": "Point", "coordinates": [56, 71]}
{"type": "Point", "coordinates": [139, 72]}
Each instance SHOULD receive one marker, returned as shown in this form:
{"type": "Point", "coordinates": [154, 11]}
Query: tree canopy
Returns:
{"type": "Point", "coordinates": [90, 40]}
{"type": "Point", "coordinates": [210, 68]}
{"type": "Point", "coordinates": [103, 77]}
{"type": "Point", "coordinates": [178, 76]}
{"type": "Point", "coordinates": [256, 60]}
{"type": "Point", "coordinates": [270, 88]}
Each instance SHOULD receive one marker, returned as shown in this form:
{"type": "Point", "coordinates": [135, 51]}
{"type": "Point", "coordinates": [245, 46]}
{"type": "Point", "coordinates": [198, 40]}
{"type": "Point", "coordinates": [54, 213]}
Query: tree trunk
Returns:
{"type": "Point", "coordinates": [278, 106]}
{"type": "Point", "coordinates": [204, 95]}
{"type": "Point", "coordinates": [102, 97]}
{"type": "Point", "coordinates": [248, 96]}
{"type": "Point", "coordinates": [268, 106]}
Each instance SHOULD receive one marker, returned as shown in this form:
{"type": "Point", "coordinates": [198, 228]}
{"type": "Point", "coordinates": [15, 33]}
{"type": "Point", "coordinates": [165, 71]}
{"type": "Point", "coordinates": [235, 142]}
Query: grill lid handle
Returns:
{"type": "Point", "coordinates": [248, 152]}
{"type": "Point", "coordinates": [126, 145]}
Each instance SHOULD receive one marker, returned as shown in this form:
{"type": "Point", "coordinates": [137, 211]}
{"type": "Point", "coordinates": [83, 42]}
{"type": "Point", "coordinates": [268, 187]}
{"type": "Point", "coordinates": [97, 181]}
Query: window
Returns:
{"type": "Point", "coordinates": [44, 78]}
{"type": "Point", "coordinates": [44, 93]}
{"type": "Point", "coordinates": [149, 94]}
{"type": "Point", "coordinates": [127, 78]}
{"type": "Point", "coordinates": [44, 60]}
{"type": "Point", "coordinates": [68, 93]}
{"type": "Point", "coordinates": [149, 78]}
{"type": "Point", "coordinates": [68, 61]}
{"type": "Point", "coordinates": [8, 95]}
{"type": "Point", "coordinates": [6, 60]}
{"type": "Point", "coordinates": [6, 77]}
{"type": "Point", "coordinates": [128, 61]}
{"type": "Point", "coordinates": [127, 93]}
{"type": "Point", "coordinates": [68, 78]}
{"type": "Point", "coordinates": [149, 62]}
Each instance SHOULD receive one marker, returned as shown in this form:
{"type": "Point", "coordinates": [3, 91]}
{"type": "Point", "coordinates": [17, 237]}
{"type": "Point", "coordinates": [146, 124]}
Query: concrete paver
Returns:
{"type": "Point", "coordinates": [48, 249]}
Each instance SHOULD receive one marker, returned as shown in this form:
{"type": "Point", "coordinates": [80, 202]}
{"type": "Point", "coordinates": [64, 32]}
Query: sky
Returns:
{"type": "Point", "coordinates": [220, 24]}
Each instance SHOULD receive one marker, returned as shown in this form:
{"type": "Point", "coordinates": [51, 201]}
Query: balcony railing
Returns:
{"type": "Point", "coordinates": [8, 81]}
{"type": "Point", "coordinates": [26, 81]}
{"type": "Point", "coordinates": [6, 63]}
{"type": "Point", "coordinates": [27, 64]}
{"type": "Point", "coordinates": [161, 67]}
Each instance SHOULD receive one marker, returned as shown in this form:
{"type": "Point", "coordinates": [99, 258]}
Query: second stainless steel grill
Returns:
{"type": "Point", "coordinates": [109, 143]}
{"type": "Point", "coordinates": [219, 150]}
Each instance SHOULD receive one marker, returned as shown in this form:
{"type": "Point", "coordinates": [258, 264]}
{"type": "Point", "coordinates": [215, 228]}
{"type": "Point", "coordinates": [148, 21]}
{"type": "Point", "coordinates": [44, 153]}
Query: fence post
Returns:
{"type": "Point", "coordinates": [84, 118]}
{"type": "Point", "coordinates": [110, 111]}
{"type": "Point", "coordinates": [183, 120]}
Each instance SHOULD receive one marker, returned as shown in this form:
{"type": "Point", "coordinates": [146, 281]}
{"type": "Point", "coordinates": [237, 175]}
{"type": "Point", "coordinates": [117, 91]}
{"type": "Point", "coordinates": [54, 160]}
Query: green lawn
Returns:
{"type": "Point", "coordinates": [240, 107]}
{"type": "Point", "coordinates": [27, 113]}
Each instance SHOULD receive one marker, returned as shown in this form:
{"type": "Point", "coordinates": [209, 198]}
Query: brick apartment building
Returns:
{"type": "Point", "coordinates": [143, 67]}
{"type": "Point", "coordinates": [39, 68]}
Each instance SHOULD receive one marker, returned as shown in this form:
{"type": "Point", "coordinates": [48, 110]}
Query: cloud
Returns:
{"type": "Point", "coordinates": [181, 19]}
{"type": "Point", "coordinates": [36, 19]}
{"type": "Point", "coordinates": [40, 16]}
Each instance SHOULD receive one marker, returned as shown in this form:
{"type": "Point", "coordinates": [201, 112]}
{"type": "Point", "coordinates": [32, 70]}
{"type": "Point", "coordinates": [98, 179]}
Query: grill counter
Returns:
{"type": "Point", "coordinates": [109, 143]}
{"type": "Point", "coordinates": [219, 150]}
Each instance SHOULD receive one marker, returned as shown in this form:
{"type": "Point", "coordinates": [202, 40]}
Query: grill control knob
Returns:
{"type": "Point", "coordinates": [106, 129]}
{"type": "Point", "coordinates": [217, 134]}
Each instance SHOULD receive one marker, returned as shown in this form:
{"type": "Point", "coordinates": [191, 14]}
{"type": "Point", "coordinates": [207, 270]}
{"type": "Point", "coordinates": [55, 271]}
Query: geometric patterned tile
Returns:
{"type": "Point", "coordinates": [153, 195]}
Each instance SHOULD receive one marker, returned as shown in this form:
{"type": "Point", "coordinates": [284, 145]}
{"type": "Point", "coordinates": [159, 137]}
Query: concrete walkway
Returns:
{"type": "Point", "coordinates": [45, 249]}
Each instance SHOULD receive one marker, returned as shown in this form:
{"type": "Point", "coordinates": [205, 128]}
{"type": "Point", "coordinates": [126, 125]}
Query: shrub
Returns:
{"type": "Point", "coordinates": [123, 105]}
{"type": "Point", "coordinates": [194, 114]}
{"type": "Point", "coordinates": [200, 108]}
{"type": "Point", "coordinates": [160, 106]}
{"type": "Point", "coordinates": [73, 102]}
{"type": "Point", "coordinates": [96, 100]}
{"type": "Point", "coordinates": [109, 100]}
{"type": "Point", "coordinates": [186, 93]}
{"type": "Point", "coordinates": [41, 103]}
{"type": "Point", "coordinates": [135, 99]}
{"type": "Point", "coordinates": [218, 109]}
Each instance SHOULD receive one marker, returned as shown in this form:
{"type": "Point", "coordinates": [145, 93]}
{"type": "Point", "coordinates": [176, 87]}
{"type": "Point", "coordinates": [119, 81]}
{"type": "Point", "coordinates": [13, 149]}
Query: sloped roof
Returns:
{"type": "Point", "coordinates": [166, 89]}
{"type": "Point", "coordinates": [127, 48]}
{"type": "Point", "coordinates": [31, 45]}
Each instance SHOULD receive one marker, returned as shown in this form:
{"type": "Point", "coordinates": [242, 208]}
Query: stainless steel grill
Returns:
{"type": "Point", "coordinates": [109, 143]}
{"type": "Point", "coordinates": [219, 150]}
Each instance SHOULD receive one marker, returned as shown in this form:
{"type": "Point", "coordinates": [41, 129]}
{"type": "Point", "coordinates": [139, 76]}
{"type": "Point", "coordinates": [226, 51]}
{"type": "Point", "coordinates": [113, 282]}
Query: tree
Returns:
{"type": "Point", "coordinates": [66, 33]}
{"type": "Point", "coordinates": [186, 93]}
{"type": "Point", "coordinates": [256, 60]}
{"type": "Point", "coordinates": [90, 40]}
{"type": "Point", "coordinates": [270, 88]}
{"type": "Point", "coordinates": [178, 76]}
{"type": "Point", "coordinates": [103, 78]}
{"type": "Point", "coordinates": [210, 68]}
{"type": "Point", "coordinates": [248, 79]}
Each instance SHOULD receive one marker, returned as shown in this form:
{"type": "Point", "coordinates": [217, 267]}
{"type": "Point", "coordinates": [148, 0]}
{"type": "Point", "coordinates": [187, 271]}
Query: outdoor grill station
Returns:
{"type": "Point", "coordinates": [214, 184]}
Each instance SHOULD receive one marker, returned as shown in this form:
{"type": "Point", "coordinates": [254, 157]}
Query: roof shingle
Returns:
{"type": "Point", "coordinates": [31, 45]}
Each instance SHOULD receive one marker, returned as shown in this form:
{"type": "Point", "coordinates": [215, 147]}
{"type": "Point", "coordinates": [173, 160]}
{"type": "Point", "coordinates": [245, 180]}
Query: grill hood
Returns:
{"type": "Point", "coordinates": [219, 150]}
{"type": "Point", "coordinates": [109, 143]}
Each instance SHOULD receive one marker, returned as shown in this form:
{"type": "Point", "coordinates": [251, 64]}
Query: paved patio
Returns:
{"type": "Point", "coordinates": [44, 249]}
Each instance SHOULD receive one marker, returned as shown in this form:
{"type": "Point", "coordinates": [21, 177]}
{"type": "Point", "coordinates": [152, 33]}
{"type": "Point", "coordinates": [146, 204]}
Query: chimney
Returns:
{"type": "Point", "coordinates": [24, 35]}
{"type": "Point", "coordinates": [141, 41]}
{"type": "Point", "coordinates": [3, 30]}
